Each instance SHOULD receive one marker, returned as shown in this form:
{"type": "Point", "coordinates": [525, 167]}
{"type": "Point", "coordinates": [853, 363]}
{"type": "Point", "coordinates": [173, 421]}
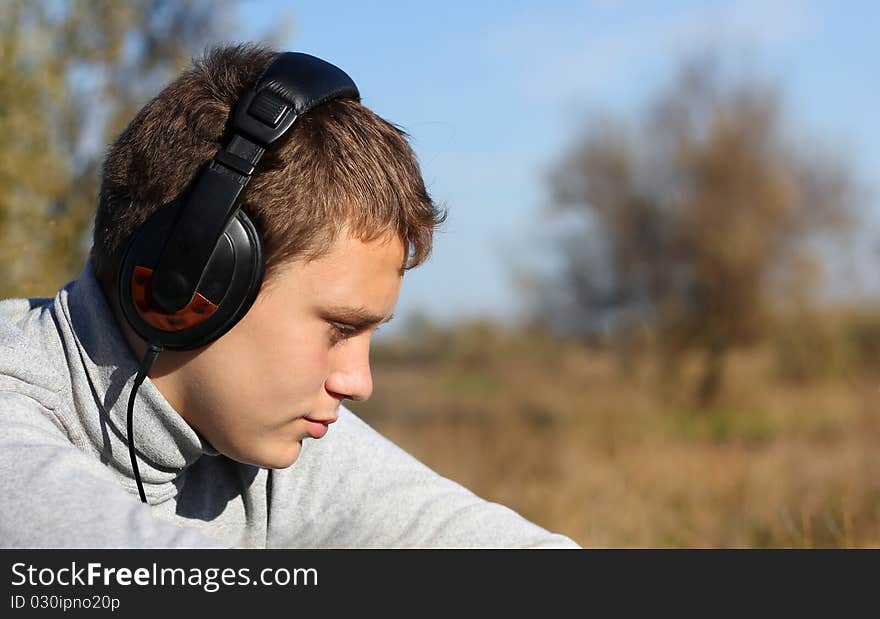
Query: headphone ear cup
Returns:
{"type": "Point", "coordinates": [226, 291]}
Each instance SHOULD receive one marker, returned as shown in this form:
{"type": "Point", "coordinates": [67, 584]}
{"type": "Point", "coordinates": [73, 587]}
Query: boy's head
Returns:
{"type": "Point", "coordinates": [343, 213]}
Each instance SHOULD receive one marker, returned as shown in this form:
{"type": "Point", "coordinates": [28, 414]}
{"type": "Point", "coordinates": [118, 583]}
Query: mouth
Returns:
{"type": "Point", "coordinates": [324, 420]}
{"type": "Point", "coordinates": [317, 427]}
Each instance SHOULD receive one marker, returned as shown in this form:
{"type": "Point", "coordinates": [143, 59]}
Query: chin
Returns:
{"type": "Point", "coordinates": [282, 456]}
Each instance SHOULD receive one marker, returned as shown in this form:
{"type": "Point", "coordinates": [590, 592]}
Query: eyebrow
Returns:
{"type": "Point", "coordinates": [356, 316]}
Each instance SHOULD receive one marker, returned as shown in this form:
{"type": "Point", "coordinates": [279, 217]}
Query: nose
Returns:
{"type": "Point", "coordinates": [351, 379]}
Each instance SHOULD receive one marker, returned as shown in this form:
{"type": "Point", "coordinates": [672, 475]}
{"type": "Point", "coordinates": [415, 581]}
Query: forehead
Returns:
{"type": "Point", "coordinates": [353, 273]}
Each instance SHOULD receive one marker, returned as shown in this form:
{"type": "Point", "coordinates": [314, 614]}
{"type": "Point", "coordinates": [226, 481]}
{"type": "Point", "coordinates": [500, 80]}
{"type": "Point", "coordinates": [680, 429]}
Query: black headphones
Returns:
{"type": "Point", "coordinates": [194, 268]}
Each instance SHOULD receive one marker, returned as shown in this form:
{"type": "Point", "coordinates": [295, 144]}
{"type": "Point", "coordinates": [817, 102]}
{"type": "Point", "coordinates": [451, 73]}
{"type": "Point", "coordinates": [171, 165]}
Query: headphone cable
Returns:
{"type": "Point", "coordinates": [147, 363]}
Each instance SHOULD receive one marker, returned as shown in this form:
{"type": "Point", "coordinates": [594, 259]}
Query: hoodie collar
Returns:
{"type": "Point", "coordinates": [103, 369]}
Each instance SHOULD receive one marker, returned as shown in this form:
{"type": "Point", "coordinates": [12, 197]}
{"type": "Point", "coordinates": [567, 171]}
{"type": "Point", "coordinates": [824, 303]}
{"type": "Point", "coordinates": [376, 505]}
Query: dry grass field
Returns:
{"type": "Point", "coordinates": [621, 459]}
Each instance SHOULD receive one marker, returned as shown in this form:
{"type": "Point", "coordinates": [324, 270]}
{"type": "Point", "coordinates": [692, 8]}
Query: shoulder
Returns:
{"type": "Point", "coordinates": [353, 452]}
{"type": "Point", "coordinates": [28, 337]}
{"type": "Point", "coordinates": [352, 435]}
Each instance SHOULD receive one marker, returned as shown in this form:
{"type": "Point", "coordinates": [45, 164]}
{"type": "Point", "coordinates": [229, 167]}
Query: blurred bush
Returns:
{"type": "Point", "coordinates": [838, 342]}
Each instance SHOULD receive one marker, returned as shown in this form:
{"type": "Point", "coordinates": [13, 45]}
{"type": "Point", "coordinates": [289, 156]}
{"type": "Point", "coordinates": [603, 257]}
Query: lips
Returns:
{"type": "Point", "coordinates": [324, 420]}
{"type": "Point", "coordinates": [317, 427]}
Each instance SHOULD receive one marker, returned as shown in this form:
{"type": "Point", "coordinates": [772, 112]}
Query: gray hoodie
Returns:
{"type": "Point", "coordinates": [66, 373]}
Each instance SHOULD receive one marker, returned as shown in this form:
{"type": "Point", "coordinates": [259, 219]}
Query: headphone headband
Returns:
{"type": "Point", "coordinates": [290, 86]}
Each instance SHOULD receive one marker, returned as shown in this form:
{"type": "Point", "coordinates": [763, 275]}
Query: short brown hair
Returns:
{"type": "Point", "coordinates": [340, 166]}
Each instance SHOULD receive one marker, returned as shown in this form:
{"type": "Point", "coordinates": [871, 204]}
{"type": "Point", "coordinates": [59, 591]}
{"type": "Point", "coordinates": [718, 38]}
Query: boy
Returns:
{"type": "Point", "coordinates": [243, 441]}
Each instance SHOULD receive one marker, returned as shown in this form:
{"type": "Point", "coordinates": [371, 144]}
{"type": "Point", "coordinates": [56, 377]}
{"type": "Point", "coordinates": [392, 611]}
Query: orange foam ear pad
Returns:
{"type": "Point", "coordinates": [198, 310]}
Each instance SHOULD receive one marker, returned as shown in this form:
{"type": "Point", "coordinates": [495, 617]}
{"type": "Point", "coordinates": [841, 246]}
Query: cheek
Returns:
{"type": "Point", "coordinates": [281, 359]}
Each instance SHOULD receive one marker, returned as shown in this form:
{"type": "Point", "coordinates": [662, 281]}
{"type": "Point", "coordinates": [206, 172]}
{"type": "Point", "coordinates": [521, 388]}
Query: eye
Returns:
{"type": "Point", "coordinates": [340, 331]}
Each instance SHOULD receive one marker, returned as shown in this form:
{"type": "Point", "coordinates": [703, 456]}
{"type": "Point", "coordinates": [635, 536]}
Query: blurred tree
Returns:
{"type": "Point", "coordinates": [703, 217]}
{"type": "Point", "coordinates": [72, 73]}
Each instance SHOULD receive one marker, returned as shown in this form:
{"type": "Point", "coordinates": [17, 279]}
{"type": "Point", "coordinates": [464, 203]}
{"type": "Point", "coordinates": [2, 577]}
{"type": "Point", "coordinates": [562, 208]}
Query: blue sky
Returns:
{"type": "Point", "coordinates": [491, 93]}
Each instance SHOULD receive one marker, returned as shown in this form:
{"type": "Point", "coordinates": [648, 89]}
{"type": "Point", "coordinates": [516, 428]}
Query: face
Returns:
{"type": "Point", "coordinates": [301, 349]}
